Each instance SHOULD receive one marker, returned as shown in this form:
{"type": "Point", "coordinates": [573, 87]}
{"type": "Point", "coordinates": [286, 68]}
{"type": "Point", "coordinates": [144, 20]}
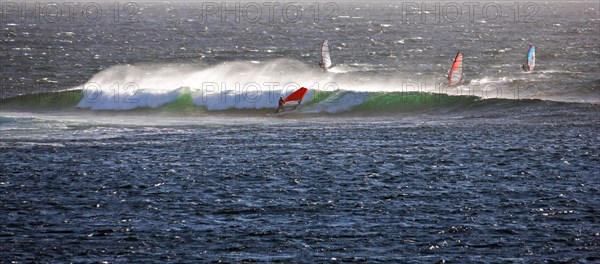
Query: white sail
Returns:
{"type": "Point", "coordinates": [325, 58]}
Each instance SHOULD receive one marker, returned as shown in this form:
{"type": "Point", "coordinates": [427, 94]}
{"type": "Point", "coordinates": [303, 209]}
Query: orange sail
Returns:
{"type": "Point", "coordinates": [456, 72]}
{"type": "Point", "coordinates": [292, 101]}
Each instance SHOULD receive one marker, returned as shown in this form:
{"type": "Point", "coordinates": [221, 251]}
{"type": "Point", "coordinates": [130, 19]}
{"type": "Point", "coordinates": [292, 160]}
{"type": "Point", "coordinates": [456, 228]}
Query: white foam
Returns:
{"type": "Point", "coordinates": [233, 85]}
{"type": "Point", "coordinates": [230, 85]}
{"type": "Point", "coordinates": [102, 99]}
{"type": "Point", "coordinates": [258, 85]}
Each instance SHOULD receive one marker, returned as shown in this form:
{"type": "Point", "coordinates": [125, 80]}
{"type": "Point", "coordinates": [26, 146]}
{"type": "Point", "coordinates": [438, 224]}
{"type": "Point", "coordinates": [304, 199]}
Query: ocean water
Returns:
{"type": "Point", "coordinates": [145, 132]}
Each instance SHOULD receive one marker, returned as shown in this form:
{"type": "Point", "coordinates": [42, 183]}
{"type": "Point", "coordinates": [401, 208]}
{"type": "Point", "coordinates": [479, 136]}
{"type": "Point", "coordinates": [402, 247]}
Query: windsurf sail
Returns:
{"type": "Point", "coordinates": [530, 59]}
{"type": "Point", "coordinates": [455, 75]}
{"type": "Point", "coordinates": [325, 61]}
{"type": "Point", "coordinates": [292, 101]}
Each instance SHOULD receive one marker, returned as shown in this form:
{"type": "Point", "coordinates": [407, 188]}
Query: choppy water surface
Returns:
{"type": "Point", "coordinates": [309, 191]}
{"type": "Point", "coordinates": [383, 166]}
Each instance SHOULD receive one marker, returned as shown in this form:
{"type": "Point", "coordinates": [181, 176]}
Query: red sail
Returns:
{"type": "Point", "coordinates": [456, 73]}
{"type": "Point", "coordinates": [292, 101]}
{"type": "Point", "coordinates": [296, 96]}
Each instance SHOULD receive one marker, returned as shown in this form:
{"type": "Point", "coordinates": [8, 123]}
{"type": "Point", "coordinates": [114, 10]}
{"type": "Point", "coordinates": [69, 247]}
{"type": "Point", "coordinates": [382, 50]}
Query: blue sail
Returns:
{"type": "Point", "coordinates": [531, 58]}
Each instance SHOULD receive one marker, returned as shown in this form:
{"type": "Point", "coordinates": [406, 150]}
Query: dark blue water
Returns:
{"type": "Point", "coordinates": [311, 191]}
{"type": "Point", "coordinates": [504, 168]}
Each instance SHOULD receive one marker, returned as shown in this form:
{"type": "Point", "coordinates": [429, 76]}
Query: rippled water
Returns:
{"type": "Point", "coordinates": [395, 177]}
{"type": "Point", "coordinates": [308, 191]}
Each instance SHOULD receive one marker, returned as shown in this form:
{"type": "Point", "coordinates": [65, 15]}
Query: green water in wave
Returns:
{"type": "Point", "coordinates": [183, 104]}
{"type": "Point", "coordinates": [318, 97]}
{"type": "Point", "coordinates": [44, 101]}
{"type": "Point", "coordinates": [412, 101]}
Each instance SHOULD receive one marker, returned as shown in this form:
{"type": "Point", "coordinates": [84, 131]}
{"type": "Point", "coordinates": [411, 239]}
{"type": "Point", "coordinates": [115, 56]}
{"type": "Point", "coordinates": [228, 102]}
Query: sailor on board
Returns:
{"type": "Point", "coordinates": [323, 68]}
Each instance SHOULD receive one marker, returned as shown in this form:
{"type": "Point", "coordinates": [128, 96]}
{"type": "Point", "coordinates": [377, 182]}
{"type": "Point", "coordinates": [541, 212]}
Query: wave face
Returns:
{"type": "Point", "coordinates": [253, 88]}
{"type": "Point", "coordinates": [189, 102]}
{"type": "Point", "coordinates": [258, 85]}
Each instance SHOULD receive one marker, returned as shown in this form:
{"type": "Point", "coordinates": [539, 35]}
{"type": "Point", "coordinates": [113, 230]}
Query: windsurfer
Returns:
{"type": "Point", "coordinates": [325, 61]}
{"type": "Point", "coordinates": [292, 101]}
{"type": "Point", "coordinates": [528, 67]}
